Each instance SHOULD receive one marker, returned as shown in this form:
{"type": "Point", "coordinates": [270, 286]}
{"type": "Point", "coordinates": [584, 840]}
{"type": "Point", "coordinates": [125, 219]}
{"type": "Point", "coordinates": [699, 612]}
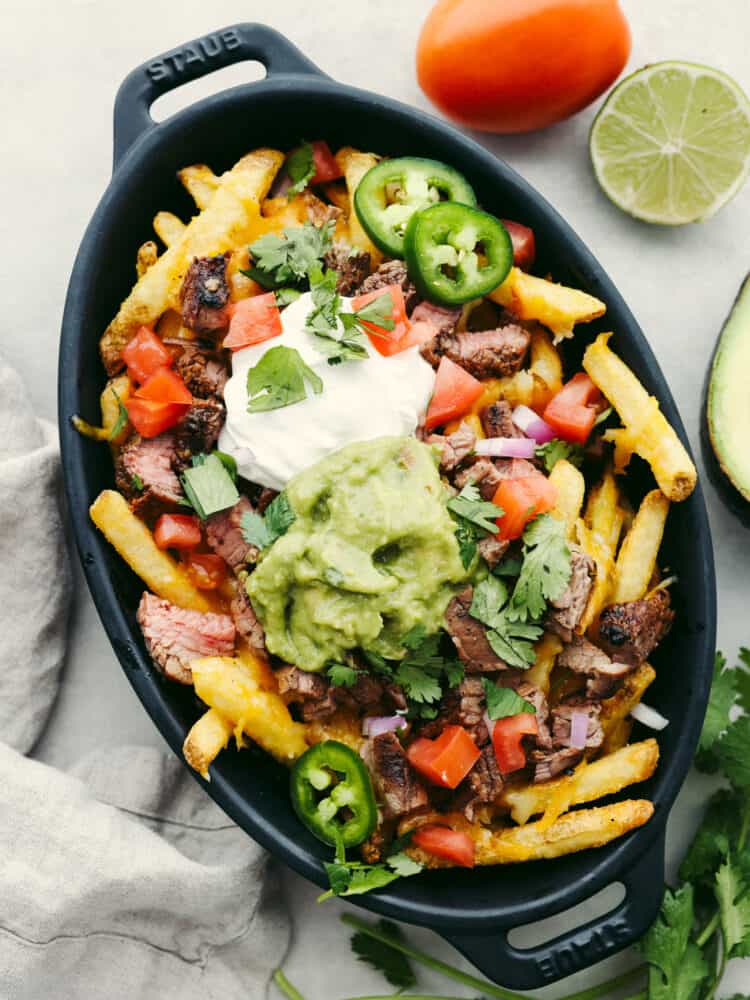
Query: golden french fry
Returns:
{"type": "Point", "coordinates": [646, 430]}
{"type": "Point", "coordinates": [354, 165]}
{"type": "Point", "coordinates": [135, 543]}
{"type": "Point", "coordinates": [206, 739]}
{"type": "Point", "coordinates": [257, 667]}
{"type": "Point", "coordinates": [618, 736]}
{"type": "Point", "coordinates": [115, 392]}
{"type": "Point", "coordinates": [546, 365]}
{"type": "Point", "coordinates": [571, 488]}
{"type": "Point", "coordinates": [226, 684]}
{"type": "Point", "coordinates": [558, 307]}
{"type": "Point", "coordinates": [636, 560]}
{"type": "Point", "coordinates": [227, 223]}
{"type": "Point", "coordinates": [598, 535]}
{"type": "Point", "coordinates": [169, 228]}
{"type": "Point", "coordinates": [337, 194]}
{"type": "Point", "coordinates": [589, 782]}
{"type": "Point", "coordinates": [617, 708]}
{"type": "Point", "coordinates": [146, 257]}
{"type": "Point", "coordinates": [200, 182]}
{"type": "Point", "coordinates": [345, 726]}
{"type": "Point", "coordinates": [170, 327]}
{"type": "Point", "coordinates": [472, 421]}
{"type": "Point", "coordinates": [545, 650]}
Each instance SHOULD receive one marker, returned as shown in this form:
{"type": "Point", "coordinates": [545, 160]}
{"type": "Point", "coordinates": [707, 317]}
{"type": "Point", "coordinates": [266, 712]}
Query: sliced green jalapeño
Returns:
{"type": "Point", "coordinates": [456, 253]}
{"type": "Point", "coordinates": [392, 191]}
{"type": "Point", "coordinates": [332, 794]}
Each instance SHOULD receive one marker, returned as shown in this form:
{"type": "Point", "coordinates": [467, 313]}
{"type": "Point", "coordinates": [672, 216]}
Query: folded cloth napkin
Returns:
{"type": "Point", "coordinates": [121, 879]}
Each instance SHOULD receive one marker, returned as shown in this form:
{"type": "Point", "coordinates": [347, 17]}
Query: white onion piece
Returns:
{"type": "Point", "coordinates": [376, 725]}
{"type": "Point", "coordinates": [506, 447]}
{"type": "Point", "coordinates": [579, 728]}
{"type": "Point", "coordinates": [532, 424]}
{"type": "Point", "coordinates": [649, 717]}
{"type": "Point", "coordinates": [490, 724]}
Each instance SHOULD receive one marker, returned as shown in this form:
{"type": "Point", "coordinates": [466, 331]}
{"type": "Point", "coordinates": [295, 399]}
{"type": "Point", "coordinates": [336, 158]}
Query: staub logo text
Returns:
{"type": "Point", "coordinates": [585, 948]}
{"type": "Point", "coordinates": [205, 50]}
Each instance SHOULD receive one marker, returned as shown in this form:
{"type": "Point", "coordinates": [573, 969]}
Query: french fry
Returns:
{"type": "Point", "coordinates": [227, 685]}
{"type": "Point", "coordinates": [146, 257]}
{"type": "Point", "coordinates": [558, 307]}
{"type": "Point", "coordinates": [646, 430]}
{"type": "Point", "coordinates": [257, 667]}
{"type": "Point", "coordinates": [344, 726]}
{"type": "Point", "coordinates": [336, 193]}
{"type": "Point", "coordinates": [617, 708]}
{"type": "Point", "coordinates": [571, 488]}
{"type": "Point", "coordinates": [135, 543]}
{"type": "Point", "coordinates": [546, 366]}
{"type": "Point", "coordinates": [598, 535]}
{"type": "Point", "coordinates": [589, 782]}
{"type": "Point", "coordinates": [206, 739]}
{"type": "Point", "coordinates": [115, 392]}
{"type": "Point", "coordinates": [170, 327]}
{"type": "Point", "coordinates": [516, 389]}
{"type": "Point", "coordinates": [200, 182]}
{"type": "Point", "coordinates": [618, 736]}
{"type": "Point", "coordinates": [169, 228]}
{"type": "Point", "coordinates": [636, 560]}
{"type": "Point", "coordinates": [545, 650]}
{"type": "Point", "coordinates": [226, 223]}
{"type": "Point", "coordinates": [354, 165]}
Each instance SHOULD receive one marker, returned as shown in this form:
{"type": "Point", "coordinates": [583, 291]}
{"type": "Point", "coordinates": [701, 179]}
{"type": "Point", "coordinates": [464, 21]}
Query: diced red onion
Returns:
{"type": "Point", "coordinates": [532, 424]}
{"type": "Point", "coordinates": [579, 728]}
{"type": "Point", "coordinates": [649, 717]}
{"type": "Point", "coordinates": [506, 447]}
{"type": "Point", "coordinates": [376, 725]}
{"type": "Point", "coordinates": [281, 185]}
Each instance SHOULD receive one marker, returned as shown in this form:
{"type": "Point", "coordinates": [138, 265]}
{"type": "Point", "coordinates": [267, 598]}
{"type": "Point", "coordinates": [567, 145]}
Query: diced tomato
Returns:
{"type": "Point", "coordinates": [144, 353]}
{"type": "Point", "coordinates": [417, 334]}
{"type": "Point", "coordinates": [522, 499]}
{"type": "Point", "coordinates": [151, 418]}
{"type": "Point", "coordinates": [524, 244]}
{"type": "Point", "coordinates": [573, 410]}
{"type": "Point", "coordinates": [384, 341]}
{"type": "Point", "coordinates": [165, 386]}
{"type": "Point", "coordinates": [177, 531]}
{"type": "Point", "coordinates": [442, 842]}
{"type": "Point", "coordinates": [252, 321]}
{"type": "Point", "coordinates": [455, 392]}
{"type": "Point", "coordinates": [326, 167]}
{"type": "Point", "coordinates": [507, 739]}
{"type": "Point", "coordinates": [447, 760]}
{"type": "Point", "coordinates": [206, 570]}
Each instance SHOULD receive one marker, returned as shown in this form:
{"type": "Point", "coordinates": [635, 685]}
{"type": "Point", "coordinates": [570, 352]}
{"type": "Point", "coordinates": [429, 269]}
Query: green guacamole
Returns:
{"type": "Point", "coordinates": [371, 554]}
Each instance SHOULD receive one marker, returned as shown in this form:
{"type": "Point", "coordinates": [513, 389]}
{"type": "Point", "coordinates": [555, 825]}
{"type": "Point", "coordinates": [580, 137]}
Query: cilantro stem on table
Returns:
{"type": "Point", "coordinates": [286, 987]}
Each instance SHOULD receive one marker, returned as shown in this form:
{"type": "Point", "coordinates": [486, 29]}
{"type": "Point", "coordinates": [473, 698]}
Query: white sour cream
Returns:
{"type": "Point", "coordinates": [361, 400]}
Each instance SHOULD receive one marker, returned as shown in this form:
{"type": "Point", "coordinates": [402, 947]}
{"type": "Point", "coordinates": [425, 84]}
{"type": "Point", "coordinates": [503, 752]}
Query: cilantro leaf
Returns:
{"type": "Point", "coordinates": [422, 668]}
{"type": "Point", "coordinates": [720, 702]}
{"type": "Point", "coordinates": [418, 685]}
{"type": "Point", "coordinates": [715, 837]}
{"type": "Point", "coordinates": [734, 909]}
{"type": "Point", "coordinates": [394, 965]}
{"type": "Point", "coordinates": [137, 483]}
{"type": "Point", "coordinates": [300, 168]}
{"type": "Point", "coordinates": [508, 567]}
{"type": "Point", "coordinates": [742, 678]}
{"type": "Point", "coordinates": [263, 531]}
{"type": "Point", "coordinates": [556, 449]}
{"type": "Point", "coordinates": [470, 506]}
{"type": "Point", "coordinates": [603, 416]}
{"type": "Point", "coordinates": [503, 702]}
{"type": "Point", "coordinates": [546, 569]}
{"type": "Point", "coordinates": [122, 418]}
{"type": "Point", "coordinates": [378, 312]}
{"type": "Point", "coordinates": [677, 966]}
{"type": "Point", "coordinates": [342, 675]}
{"type": "Point", "coordinates": [403, 865]}
{"type": "Point", "coordinates": [208, 486]}
{"type": "Point", "coordinates": [285, 296]}
{"type": "Point", "coordinates": [288, 259]}
{"type": "Point", "coordinates": [511, 640]}
{"type": "Point", "coordinates": [732, 752]}
{"type": "Point", "coordinates": [338, 341]}
{"type": "Point", "coordinates": [280, 379]}
{"type": "Point", "coordinates": [354, 878]}
{"type": "Point", "coordinates": [467, 542]}
{"type": "Point", "coordinates": [279, 515]}
{"type": "Point", "coordinates": [488, 599]}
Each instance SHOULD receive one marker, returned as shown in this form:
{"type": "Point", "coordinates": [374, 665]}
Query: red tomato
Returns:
{"type": "Point", "coordinates": [417, 334]}
{"type": "Point", "coordinates": [506, 740]}
{"type": "Point", "coordinates": [144, 353]}
{"type": "Point", "coordinates": [177, 531]}
{"type": "Point", "coordinates": [165, 386]}
{"type": "Point", "coordinates": [151, 418]}
{"type": "Point", "coordinates": [522, 499]}
{"type": "Point", "coordinates": [524, 244]}
{"type": "Point", "coordinates": [206, 570]}
{"type": "Point", "coordinates": [326, 167]}
{"type": "Point", "coordinates": [447, 760]}
{"type": "Point", "coordinates": [385, 341]}
{"type": "Point", "coordinates": [520, 64]}
{"type": "Point", "coordinates": [442, 842]}
{"type": "Point", "coordinates": [455, 391]}
{"type": "Point", "coordinates": [571, 412]}
{"type": "Point", "coordinates": [252, 321]}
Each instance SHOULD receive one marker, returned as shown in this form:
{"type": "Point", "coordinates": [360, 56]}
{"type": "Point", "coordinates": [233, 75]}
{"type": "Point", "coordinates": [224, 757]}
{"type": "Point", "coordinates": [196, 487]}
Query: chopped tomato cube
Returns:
{"type": "Point", "coordinates": [150, 417]}
{"type": "Point", "coordinates": [522, 500]}
{"type": "Point", "coordinates": [144, 353]}
{"type": "Point", "coordinates": [206, 570]}
{"type": "Point", "coordinates": [165, 386]}
{"type": "Point", "coordinates": [524, 245]}
{"type": "Point", "coordinates": [572, 411]}
{"type": "Point", "coordinates": [252, 321]}
{"type": "Point", "coordinates": [417, 334]}
{"type": "Point", "coordinates": [455, 392]}
{"type": "Point", "coordinates": [386, 341]}
{"type": "Point", "coordinates": [447, 760]}
{"type": "Point", "coordinates": [507, 739]}
{"type": "Point", "coordinates": [442, 842]}
{"type": "Point", "coordinates": [177, 531]}
{"type": "Point", "coordinates": [326, 167]}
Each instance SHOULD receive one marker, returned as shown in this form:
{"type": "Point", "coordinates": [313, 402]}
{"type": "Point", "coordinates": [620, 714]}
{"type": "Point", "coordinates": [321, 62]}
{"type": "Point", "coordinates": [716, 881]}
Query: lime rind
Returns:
{"type": "Point", "coordinates": [671, 144]}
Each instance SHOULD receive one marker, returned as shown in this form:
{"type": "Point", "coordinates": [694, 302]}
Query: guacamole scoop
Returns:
{"type": "Point", "coordinates": [371, 554]}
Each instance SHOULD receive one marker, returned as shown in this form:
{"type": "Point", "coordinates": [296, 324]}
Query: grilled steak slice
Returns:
{"type": "Point", "coordinates": [485, 354]}
{"type": "Point", "coordinates": [224, 535]}
{"type": "Point", "coordinates": [583, 657]}
{"type": "Point", "coordinates": [175, 636]}
{"type": "Point", "coordinates": [443, 320]}
{"type": "Point", "coordinates": [312, 692]}
{"type": "Point", "coordinates": [351, 265]}
{"type": "Point", "coordinates": [397, 787]}
{"type": "Point", "coordinates": [199, 429]}
{"type": "Point", "coordinates": [550, 765]}
{"type": "Point", "coordinates": [630, 632]}
{"type": "Point", "coordinates": [391, 272]}
{"type": "Point", "coordinates": [461, 706]}
{"type": "Point", "coordinates": [492, 549]}
{"type": "Point", "coordinates": [469, 636]}
{"type": "Point", "coordinates": [561, 723]}
{"type": "Point", "coordinates": [482, 471]}
{"type": "Point", "coordinates": [144, 474]}
{"type": "Point", "coordinates": [566, 612]}
{"type": "Point", "coordinates": [246, 621]}
{"type": "Point", "coordinates": [497, 421]}
{"type": "Point", "coordinates": [205, 294]}
{"type": "Point", "coordinates": [455, 447]}
{"type": "Point", "coordinates": [366, 694]}
{"type": "Point", "coordinates": [202, 370]}
{"type": "Point", "coordinates": [265, 497]}
{"type": "Point", "coordinates": [482, 784]}
{"type": "Point", "coordinates": [318, 211]}
{"type": "Point", "coordinates": [536, 697]}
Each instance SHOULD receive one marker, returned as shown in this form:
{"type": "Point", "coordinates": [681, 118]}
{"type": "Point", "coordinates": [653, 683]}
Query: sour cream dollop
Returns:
{"type": "Point", "coordinates": [361, 400]}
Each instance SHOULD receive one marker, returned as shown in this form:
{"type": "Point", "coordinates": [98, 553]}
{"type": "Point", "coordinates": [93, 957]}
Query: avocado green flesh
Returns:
{"type": "Point", "coordinates": [371, 554]}
{"type": "Point", "coordinates": [728, 410]}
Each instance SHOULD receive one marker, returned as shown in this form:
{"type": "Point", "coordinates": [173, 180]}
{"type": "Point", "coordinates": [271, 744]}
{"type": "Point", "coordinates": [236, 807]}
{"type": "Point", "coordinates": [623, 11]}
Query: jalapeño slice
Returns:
{"type": "Point", "coordinates": [332, 794]}
{"type": "Point", "coordinates": [456, 253]}
{"type": "Point", "coordinates": [392, 191]}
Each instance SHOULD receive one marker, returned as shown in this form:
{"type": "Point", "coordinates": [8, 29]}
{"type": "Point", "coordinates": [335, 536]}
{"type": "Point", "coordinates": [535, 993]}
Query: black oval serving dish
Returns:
{"type": "Point", "coordinates": [473, 910]}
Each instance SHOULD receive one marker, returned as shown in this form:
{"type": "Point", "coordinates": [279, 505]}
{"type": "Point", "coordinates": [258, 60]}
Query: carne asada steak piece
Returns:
{"type": "Point", "coordinates": [391, 272]}
{"type": "Point", "coordinates": [583, 657]}
{"type": "Point", "coordinates": [174, 636]}
{"type": "Point", "coordinates": [492, 549]}
{"type": "Point", "coordinates": [461, 706]}
{"type": "Point", "coordinates": [482, 784]}
{"type": "Point", "coordinates": [224, 535]}
{"type": "Point", "coordinates": [205, 293]}
{"type": "Point", "coordinates": [144, 474]}
{"type": "Point", "coordinates": [202, 370]}
{"type": "Point", "coordinates": [312, 692]}
{"type": "Point", "coordinates": [484, 473]}
{"type": "Point", "coordinates": [245, 619]}
{"type": "Point", "coordinates": [550, 765]}
{"type": "Point", "coordinates": [630, 632]}
{"type": "Point", "coordinates": [455, 447]}
{"type": "Point", "coordinates": [485, 354]}
{"type": "Point", "coordinates": [497, 421]}
{"type": "Point", "coordinates": [562, 717]}
{"type": "Point", "coordinates": [199, 429]}
{"type": "Point", "coordinates": [351, 265]}
{"type": "Point", "coordinates": [319, 212]}
{"type": "Point", "coordinates": [397, 788]}
{"type": "Point", "coordinates": [443, 320]}
{"type": "Point", "coordinates": [567, 610]}
{"type": "Point", "coordinates": [469, 636]}
{"type": "Point", "coordinates": [536, 697]}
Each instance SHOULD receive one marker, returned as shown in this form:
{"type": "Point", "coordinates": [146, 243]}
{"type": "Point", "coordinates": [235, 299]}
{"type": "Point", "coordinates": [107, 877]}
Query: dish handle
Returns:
{"type": "Point", "coordinates": [580, 947]}
{"type": "Point", "coordinates": [191, 61]}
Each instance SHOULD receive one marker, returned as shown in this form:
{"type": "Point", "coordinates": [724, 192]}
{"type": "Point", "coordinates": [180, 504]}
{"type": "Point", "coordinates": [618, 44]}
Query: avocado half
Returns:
{"type": "Point", "coordinates": [725, 432]}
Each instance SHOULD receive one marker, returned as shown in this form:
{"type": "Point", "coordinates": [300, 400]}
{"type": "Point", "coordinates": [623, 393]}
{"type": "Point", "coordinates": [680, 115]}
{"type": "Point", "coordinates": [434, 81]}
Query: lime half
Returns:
{"type": "Point", "coordinates": [672, 143]}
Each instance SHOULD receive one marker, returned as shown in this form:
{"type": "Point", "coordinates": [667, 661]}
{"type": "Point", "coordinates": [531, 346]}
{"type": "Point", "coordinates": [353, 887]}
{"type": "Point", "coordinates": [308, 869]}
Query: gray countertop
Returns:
{"type": "Point", "coordinates": [62, 64]}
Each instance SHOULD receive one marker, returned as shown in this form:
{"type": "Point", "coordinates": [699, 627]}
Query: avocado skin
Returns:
{"type": "Point", "coordinates": [730, 495]}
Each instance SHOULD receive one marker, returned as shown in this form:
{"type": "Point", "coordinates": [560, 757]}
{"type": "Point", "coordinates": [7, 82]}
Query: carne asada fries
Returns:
{"type": "Point", "coordinates": [379, 528]}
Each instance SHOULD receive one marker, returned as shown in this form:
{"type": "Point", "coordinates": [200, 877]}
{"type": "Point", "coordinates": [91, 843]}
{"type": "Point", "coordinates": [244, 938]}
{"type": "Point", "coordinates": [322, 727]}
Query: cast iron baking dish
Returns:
{"type": "Point", "coordinates": [473, 910]}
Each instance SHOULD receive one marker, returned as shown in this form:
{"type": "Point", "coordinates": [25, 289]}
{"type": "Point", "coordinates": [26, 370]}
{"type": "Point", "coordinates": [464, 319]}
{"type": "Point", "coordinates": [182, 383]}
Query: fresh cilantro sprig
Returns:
{"type": "Point", "coordinates": [263, 530]}
{"type": "Point", "coordinates": [343, 675]}
{"type": "Point", "coordinates": [545, 571]}
{"type": "Point", "coordinates": [280, 378]}
{"type": "Point", "coordinates": [300, 168]}
{"type": "Point", "coordinates": [475, 518]}
{"type": "Point", "coordinates": [394, 965]}
{"type": "Point", "coordinates": [209, 486]}
{"type": "Point", "coordinates": [504, 702]}
{"type": "Point", "coordinates": [556, 449]}
{"type": "Point", "coordinates": [286, 260]}
{"type": "Point", "coordinates": [341, 335]}
{"type": "Point", "coordinates": [512, 640]}
{"type": "Point", "coordinates": [352, 878]}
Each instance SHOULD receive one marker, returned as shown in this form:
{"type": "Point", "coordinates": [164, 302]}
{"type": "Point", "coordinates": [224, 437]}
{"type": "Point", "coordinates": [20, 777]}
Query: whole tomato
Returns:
{"type": "Point", "coordinates": [518, 65]}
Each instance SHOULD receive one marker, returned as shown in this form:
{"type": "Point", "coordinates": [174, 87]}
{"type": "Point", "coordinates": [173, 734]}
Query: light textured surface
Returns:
{"type": "Point", "coordinates": [62, 64]}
